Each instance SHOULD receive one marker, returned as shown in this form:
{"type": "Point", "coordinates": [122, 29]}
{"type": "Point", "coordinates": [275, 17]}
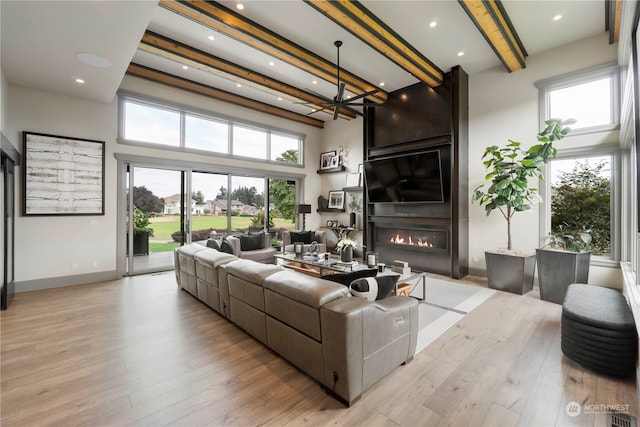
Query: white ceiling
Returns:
{"type": "Point", "coordinates": [40, 41]}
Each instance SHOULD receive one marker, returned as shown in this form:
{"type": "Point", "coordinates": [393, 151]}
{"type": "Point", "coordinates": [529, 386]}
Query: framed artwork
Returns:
{"type": "Point", "coordinates": [353, 180]}
{"type": "Point", "coordinates": [336, 199]}
{"type": "Point", "coordinates": [327, 160]}
{"type": "Point", "coordinates": [360, 168]}
{"type": "Point", "coordinates": [62, 175]}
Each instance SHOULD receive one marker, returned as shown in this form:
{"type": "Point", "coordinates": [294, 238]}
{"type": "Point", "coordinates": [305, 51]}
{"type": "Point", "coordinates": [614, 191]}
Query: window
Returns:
{"type": "Point", "coordinates": [589, 96]}
{"type": "Point", "coordinates": [249, 142]}
{"type": "Point", "coordinates": [175, 127]}
{"type": "Point", "coordinates": [206, 134]}
{"type": "Point", "coordinates": [148, 123]}
{"type": "Point", "coordinates": [581, 199]}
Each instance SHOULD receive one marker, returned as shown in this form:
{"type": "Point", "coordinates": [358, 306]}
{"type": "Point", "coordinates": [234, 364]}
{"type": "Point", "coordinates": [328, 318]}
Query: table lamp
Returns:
{"type": "Point", "coordinates": [303, 209]}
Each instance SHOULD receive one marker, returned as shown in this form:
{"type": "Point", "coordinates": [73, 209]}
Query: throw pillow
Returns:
{"type": "Point", "coordinates": [373, 288]}
{"type": "Point", "coordinates": [251, 242]}
{"type": "Point", "coordinates": [305, 237]}
{"type": "Point", "coordinates": [212, 243]}
{"type": "Point", "coordinates": [225, 246]}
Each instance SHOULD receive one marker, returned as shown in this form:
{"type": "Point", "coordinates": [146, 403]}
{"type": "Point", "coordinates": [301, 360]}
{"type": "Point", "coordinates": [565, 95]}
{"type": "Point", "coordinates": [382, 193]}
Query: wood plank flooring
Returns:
{"type": "Point", "coordinates": [141, 352]}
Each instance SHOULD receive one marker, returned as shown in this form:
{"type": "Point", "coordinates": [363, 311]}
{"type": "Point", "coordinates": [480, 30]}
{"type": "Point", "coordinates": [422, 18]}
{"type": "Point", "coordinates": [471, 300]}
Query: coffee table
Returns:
{"type": "Point", "coordinates": [319, 266]}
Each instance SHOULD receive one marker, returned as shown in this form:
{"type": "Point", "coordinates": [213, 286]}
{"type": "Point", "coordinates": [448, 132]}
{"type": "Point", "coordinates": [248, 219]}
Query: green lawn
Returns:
{"type": "Point", "coordinates": [163, 227]}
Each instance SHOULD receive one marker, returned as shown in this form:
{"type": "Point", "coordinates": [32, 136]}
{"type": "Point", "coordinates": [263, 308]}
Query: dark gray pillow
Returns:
{"type": "Point", "coordinates": [251, 242]}
{"type": "Point", "coordinates": [305, 237]}
{"type": "Point", "coordinates": [212, 243]}
{"type": "Point", "coordinates": [225, 246]}
{"type": "Point", "coordinates": [373, 288]}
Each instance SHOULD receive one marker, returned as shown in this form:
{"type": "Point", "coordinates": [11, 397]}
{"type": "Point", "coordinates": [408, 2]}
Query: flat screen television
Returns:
{"type": "Point", "coordinates": [412, 178]}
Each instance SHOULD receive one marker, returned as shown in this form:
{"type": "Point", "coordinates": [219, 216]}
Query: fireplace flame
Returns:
{"type": "Point", "coordinates": [400, 240]}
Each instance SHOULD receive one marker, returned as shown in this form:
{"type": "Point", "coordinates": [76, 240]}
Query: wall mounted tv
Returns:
{"type": "Point", "coordinates": [410, 178]}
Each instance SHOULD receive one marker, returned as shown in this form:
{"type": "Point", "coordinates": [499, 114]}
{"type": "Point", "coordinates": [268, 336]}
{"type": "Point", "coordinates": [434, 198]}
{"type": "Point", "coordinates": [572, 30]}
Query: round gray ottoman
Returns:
{"type": "Point", "coordinates": [598, 330]}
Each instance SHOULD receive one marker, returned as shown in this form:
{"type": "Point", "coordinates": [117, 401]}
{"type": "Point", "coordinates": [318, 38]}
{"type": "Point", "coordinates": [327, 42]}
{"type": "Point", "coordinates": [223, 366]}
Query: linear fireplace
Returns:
{"type": "Point", "coordinates": [412, 239]}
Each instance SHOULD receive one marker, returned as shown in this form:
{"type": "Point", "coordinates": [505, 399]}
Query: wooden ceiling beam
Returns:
{"type": "Point", "coordinates": [491, 19]}
{"type": "Point", "coordinates": [238, 27]}
{"type": "Point", "coordinates": [201, 89]}
{"type": "Point", "coordinates": [362, 23]}
{"type": "Point", "coordinates": [159, 45]}
{"type": "Point", "coordinates": [613, 17]}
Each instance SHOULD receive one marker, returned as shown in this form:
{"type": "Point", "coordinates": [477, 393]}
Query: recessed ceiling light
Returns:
{"type": "Point", "coordinates": [433, 24]}
{"type": "Point", "coordinates": [315, 82]}
{"type": "Point", "coordinates": [80, 81]}
{"type": "Point", "coordinates": [240, 6]}
{"type": "Point", "coordinates": [279, 98]}
{"type": "Point", "coordinates": [557, 17]}
{"type": "Point", "coordinates": [238, 85]}
{"type": "Point", "coordinates": [93, 60]}
{"type": "Point", "coordinates": [184, 67]}
{"type": "Point", "coordinates": [461, 53]}
{"type": "Point", "coordinates": [211, 38]}
{"type": "Point", "coordinates": [272, 63]}
{"type": "Point", "coordinates": [381, 83]}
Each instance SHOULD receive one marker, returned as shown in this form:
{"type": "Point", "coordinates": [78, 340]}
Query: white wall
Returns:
{"type": "Point", "coordinates": [79, 249]}
{"type": "Point", "coordinates": [505, 106]}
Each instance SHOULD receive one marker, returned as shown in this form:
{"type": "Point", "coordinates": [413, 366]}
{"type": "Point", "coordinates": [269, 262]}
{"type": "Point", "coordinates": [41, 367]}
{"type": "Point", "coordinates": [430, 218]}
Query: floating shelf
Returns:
{"type": "Point", "coordinates": [330, 210]}
{"type": "Point", "coordinates": [332, 170]}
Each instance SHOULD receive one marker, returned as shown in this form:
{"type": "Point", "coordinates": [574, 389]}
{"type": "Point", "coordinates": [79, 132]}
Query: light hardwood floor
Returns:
{"type": "Point", "coordinates": [139, 351]}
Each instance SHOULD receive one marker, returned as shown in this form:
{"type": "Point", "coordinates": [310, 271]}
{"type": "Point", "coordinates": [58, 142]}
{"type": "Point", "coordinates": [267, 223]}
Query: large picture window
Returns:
{"type": "Point", "coordinates": [144, 121]}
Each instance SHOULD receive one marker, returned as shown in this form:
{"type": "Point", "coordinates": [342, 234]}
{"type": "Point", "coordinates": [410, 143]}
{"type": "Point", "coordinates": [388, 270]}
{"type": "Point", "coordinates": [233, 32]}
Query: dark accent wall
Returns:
{"type": "Point", "coordinates": [415, 118]}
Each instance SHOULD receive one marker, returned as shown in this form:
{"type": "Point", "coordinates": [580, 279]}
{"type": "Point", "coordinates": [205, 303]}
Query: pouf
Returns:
{"type": "Point", "coordinates": [598, 330]}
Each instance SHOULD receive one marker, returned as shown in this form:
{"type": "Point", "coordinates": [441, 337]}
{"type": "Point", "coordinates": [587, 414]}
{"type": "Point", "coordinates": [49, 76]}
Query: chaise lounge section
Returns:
{"type": "Point", "coordinates": [346, 343]}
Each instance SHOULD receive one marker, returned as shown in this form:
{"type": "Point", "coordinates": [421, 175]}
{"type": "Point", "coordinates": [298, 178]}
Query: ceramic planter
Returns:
{"type": "Point", "coordinates": [558, 269]}
{"type": "Point", "coordinates": [510, 273]}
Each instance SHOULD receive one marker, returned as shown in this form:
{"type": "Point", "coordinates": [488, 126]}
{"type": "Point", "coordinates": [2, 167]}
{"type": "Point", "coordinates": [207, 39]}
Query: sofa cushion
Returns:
{"type": "Point", "coordinates": [373, 288]}
{"type": "Point", "coordinates": [302, 236]}
{"type": "Point", "coordinates": [251, 242]}
{"type": "Point", "coordinates": [251, 271]}
{"type": "Point", "coordinates": [308, 290]}
{"type": "Point", "coordinates": [213, 244]}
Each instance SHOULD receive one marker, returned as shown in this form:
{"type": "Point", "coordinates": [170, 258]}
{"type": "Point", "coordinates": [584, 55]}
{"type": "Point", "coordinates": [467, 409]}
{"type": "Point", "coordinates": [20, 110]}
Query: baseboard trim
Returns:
{"type": "Point", "coordinates": [62, 281]}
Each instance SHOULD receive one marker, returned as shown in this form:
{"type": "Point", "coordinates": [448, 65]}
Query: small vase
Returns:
{"type": "Point", "coordinates": [347, 254]}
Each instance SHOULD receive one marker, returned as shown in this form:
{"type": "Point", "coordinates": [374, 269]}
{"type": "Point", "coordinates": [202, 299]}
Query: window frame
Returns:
{"type": "Point", "coordinates": [546, 86]}
{"type": "Point", "coordinates": [183, 110]}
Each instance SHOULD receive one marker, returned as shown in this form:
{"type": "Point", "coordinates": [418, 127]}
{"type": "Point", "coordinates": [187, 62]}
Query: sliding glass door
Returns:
{"type": "Point", "coordinates": [157, 208]}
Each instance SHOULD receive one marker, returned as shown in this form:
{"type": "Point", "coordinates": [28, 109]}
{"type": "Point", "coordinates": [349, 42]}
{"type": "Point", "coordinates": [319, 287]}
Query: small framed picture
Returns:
{"type": "Point", "coordinates": [335, 161]}
{"type": "Point", "coordinates": [327, 160]}
{"type": "Point", "coordinates": [353, 180]}
{"type": "Point", "coordinates": [336, 199]}
{"type": "Point", "coordinates": [360, 168]}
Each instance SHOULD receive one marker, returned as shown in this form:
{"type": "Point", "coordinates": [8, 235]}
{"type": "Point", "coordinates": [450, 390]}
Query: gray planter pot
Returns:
{"type": "Point", "coordinates": [510, 273]}
{"type": "Point", "coordinates": [557, 270]}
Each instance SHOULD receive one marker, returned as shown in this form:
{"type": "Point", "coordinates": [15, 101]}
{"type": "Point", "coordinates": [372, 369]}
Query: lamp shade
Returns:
{"type": "Point", "coordinates": [303, 209]}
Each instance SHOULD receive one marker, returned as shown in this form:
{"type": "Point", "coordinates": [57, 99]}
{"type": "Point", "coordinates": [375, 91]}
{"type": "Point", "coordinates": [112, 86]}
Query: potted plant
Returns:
{"type": "Point", "coordinates": [563, 260]}
{"type": "Point", "coordinates": [346, 247]}
{"type": "Point", "coordinates": [141, 232]}
{"type": "Point", "coordinates": [509, 170]}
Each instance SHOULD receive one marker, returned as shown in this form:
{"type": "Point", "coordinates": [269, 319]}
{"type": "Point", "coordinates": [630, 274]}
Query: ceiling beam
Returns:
{"type": "Point", "coordinates": [362, 23]}
{"type": "Point", "coordinates": [201, 89]}
{"type": "Point", "coordinates": [226, 21]}
{"type": "Point", "coordinates": [181, 53]}
{"type": "Point", "coordinates": [613, 17]}
{"type": "Point", "coordinates": [492, 21]}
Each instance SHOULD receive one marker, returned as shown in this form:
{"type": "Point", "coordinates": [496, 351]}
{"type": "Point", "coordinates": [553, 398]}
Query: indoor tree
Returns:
{"type": "Point", "coordinates": [509, 169]}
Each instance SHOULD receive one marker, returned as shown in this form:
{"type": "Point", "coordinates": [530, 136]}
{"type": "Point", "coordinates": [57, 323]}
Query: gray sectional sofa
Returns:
{"type": "Point", "coordinates": [346, 343]}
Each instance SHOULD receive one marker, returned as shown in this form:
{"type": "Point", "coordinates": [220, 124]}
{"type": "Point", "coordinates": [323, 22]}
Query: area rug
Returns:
{"type": "Point", "coordinates": [446, 303]}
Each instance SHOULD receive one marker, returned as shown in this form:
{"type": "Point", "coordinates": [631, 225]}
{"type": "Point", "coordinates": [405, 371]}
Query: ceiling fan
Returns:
{"type": "Point", "coordinates": [339, 102]}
